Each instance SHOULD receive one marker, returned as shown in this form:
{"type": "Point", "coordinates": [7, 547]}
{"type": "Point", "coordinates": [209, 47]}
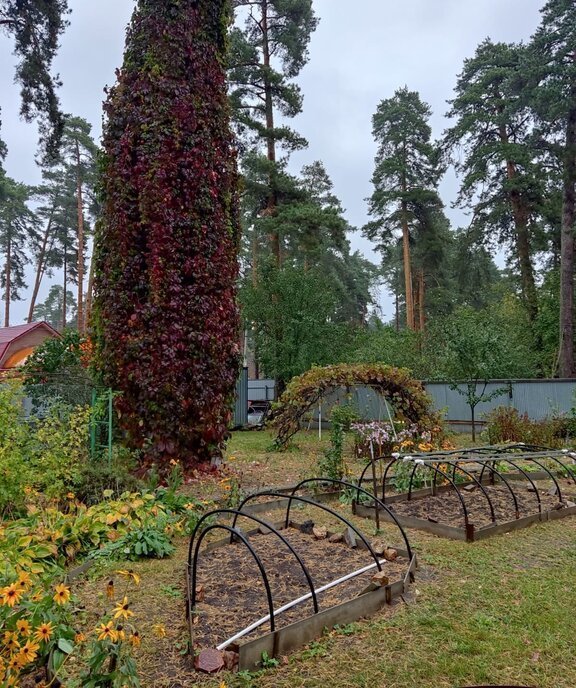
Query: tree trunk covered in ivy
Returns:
{"type": "Point", "coordinates": [165, 312]}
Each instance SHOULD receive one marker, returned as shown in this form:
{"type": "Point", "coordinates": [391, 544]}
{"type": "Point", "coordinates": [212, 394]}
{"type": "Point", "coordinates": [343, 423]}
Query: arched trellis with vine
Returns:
{"type": "Point", "coordinates": [405, 394]}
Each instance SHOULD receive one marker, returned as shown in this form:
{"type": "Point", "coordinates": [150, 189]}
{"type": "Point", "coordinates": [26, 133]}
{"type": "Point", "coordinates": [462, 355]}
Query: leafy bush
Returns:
{"type": "Point", "coordinates": [15, 472]}
{"type": "Point", "coordinates": [150, 542]}
{"type": "Point", "coordinates": [56, 372]}
{"type": "Point", "coordinates": [506, 424]}
{"type": "Point", "coordinates": [96, 477]}
{"type": "Point", "coordinates": [42, 454]}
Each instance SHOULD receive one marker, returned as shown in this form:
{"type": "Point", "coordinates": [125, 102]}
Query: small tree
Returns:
{"type": "Point", "coordinates": [472, 349]}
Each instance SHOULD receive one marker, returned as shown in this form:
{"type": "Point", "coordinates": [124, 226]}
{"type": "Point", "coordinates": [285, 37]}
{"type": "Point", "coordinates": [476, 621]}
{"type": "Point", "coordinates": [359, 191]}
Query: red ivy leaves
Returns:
{"type": "Point", "coordinates": [165, 314]}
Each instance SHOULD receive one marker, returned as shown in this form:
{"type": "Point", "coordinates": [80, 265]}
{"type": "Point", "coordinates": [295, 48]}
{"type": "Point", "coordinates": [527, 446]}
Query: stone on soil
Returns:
{"type": "Point", "coordinates": [209, 661]}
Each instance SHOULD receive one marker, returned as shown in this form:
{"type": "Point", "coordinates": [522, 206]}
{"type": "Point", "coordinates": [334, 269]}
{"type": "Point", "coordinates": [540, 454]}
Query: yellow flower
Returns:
{"type": "Point", "coordinates": [44, 632]}
{"type": "Point", "coordinates": [80, 638]}
{"type": "Point", "coordinates": [11, 641]}
{"type": "Point", "coordinates": [131, 575]}
{"type": "Point", "coordinates": [135, 639]}
{"type": "Point", "coordinates": [14, 663]}
{"type": "Point", "coordinates": [24, 580]}
{"type": "Point", "coordinates": [62, 594]}
{"type": "Point", "coordinates": [29, 652]}
{"type": "Point", "coordinates": [70, 495]}
{"type": "Point", "coordinates": [120, 633]}
{"type": "Point", "coordinates": [37, 596]}
{"type": "Point", "coordinates": [110, 590]}
{"type": "Point", "coordinates": [23, 627]}
{"type": "Point", "coordinates": [11, 594]}
{"type": "Point", "coordinates": [107, 632]}
{"type": "Point", "coordinates": [122, 611]}
{"type": "Point", "coordinates": [159, 630]}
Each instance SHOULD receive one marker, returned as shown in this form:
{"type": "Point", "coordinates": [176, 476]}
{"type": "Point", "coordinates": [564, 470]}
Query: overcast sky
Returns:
{"type": "Point", "coordinates": [361, 53]}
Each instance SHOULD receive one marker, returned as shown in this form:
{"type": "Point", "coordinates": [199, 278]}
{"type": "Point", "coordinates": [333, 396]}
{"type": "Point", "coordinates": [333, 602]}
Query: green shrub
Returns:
{"type": "Point", "coordinates": [506, 424]}
{"type": "Point", "coordinates": [96, 477]}
{"type": "Point", "coordinates": [15, 471]}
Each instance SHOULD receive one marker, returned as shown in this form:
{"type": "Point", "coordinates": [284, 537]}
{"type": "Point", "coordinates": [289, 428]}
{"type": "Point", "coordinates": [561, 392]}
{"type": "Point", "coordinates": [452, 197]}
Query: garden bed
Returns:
{"type": "Point", "coordinates": [232, 595]}
{"type": "Point", "coordinates": [440, 511]}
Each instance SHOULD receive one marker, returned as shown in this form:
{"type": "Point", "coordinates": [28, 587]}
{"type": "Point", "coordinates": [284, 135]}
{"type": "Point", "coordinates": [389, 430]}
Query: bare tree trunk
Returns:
{"type": "Point", "coordinates": [271, 142]}
{"type": "Point", "coordinates": [89, 290]}
{"type": "Point", "coordinates": [8, 273]}
{"type": "Point", "coordinates": [521, 215]}
{"type": "Point", "coordinates": [40, 269]}
{"type": "Point", "coordinates": [410, 322]}
{"type": "Point", "coordinates": [65, 284]}
{"type": "Point", "coordinates": [421, 297]}
{"type": "Point", "coordinates": [566, 350]}
{"type": "Point", "coordinates": [80, 209]}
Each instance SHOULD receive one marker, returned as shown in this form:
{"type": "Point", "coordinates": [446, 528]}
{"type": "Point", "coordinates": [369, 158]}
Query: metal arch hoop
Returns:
{"type": "Point", "coordinates": [494, 471]}
{"type": "Point", "coordinates": [271, 493]}
{"type": "Point", "coordinates": [366, 492]}
{"type": "Point", "coordinates": [273, 530]}
{"type": "Point", "coordinates": [241, 536]}
{"type": "Point", "coordinates": [471, 475]}
{"type": "Point", "coordinates": [551, 475]}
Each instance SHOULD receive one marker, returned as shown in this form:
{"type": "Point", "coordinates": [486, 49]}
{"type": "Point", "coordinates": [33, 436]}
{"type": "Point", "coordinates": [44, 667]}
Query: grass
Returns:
{"type": "Point", "coordinates": [499, 612]}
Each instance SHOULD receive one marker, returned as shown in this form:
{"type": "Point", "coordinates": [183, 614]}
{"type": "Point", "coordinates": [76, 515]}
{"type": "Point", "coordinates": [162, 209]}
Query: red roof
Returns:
{"type": "Point", "coordinates": [10, 334]}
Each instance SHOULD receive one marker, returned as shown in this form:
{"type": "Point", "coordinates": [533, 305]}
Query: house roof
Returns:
{"type": "Point", "coordinates": [11, 334]}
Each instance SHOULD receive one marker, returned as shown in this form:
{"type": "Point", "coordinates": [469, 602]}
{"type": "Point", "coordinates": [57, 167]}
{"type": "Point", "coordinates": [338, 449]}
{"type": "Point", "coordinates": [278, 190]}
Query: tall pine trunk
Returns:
{"type": "Point", "coordinates": [421, 300]}
{"type": "Point", "coordinates": [271, 142]}
{"type": "Point", "coordinates": [65, 283]}
{"type": "Point", "coordinates": [8, 278]}
{"type": "Point", "coordinates": [566, 348]}
{"type": "Point", "coordinates": [80, 211]}
{"type": "Point", "coordinates": [89, 290]}
{"type": "Point", "coordinates": [521, 215]}
{"type": "Point", "coordinates": [410, 321]}
{"type": "Point", "coordinates": [40, 269]}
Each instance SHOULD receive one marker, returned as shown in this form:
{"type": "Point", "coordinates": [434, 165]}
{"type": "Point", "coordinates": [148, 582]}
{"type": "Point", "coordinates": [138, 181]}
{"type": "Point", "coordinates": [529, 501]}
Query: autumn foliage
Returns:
{"type": "Point", "coordinates": [166, 320]}
{"type": "Point", "coordinates": [405, 394]}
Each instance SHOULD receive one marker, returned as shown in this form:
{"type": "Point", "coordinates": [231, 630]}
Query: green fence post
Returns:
{"type": "Point", "coordinates": [93, 427]}
{"type": "Point", "coordinates": [110, 425]}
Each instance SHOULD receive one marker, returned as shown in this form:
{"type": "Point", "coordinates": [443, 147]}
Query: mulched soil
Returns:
{"type": "Point", "coordinates": [446, 508]}
{"type": "Point", "coordinates": [234, 596]}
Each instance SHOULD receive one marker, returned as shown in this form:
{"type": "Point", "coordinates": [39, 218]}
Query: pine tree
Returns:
{"type": "Point", "coordinates": [52, 307]}
{"type": "Point", "coordinates": [68, 204]}
{"type": "Point", "coordinates": [165, 312]}
{"type": "Point", "coordinates": [501, 182]}
{"type": "Point", "coordinates": [36, 27]}
{"type": "Point", "coordinates": [405, 178]}
{"type": "Point", "coordinates": [553, 72]}
{"type": "Point", "coordinates": [17, 234]}
{"type": "Point", "coordinates": [78, 154]}
{"type": "Point", "coordinates": [266, 54]}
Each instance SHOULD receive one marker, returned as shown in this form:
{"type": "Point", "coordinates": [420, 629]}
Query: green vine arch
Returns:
{"type": "Point", "coordinates": [405, 394]}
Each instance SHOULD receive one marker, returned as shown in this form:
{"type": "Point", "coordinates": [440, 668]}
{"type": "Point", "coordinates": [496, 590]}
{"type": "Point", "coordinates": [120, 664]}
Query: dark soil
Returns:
{"type": "Point", "coordinates": [234, 595]}
{"type": "Point", "coordinates": [446, 508]}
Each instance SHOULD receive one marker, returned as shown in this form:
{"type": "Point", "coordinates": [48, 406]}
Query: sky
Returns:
{"type": "Point", "coordinates": [360, 54]}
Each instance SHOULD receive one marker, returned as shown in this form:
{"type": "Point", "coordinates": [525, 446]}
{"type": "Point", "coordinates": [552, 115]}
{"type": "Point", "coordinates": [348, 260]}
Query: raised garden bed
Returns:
{"type": "Point", "coordinates": [252, 574]}
{"type": "Point", "coordinates": [473, 494]}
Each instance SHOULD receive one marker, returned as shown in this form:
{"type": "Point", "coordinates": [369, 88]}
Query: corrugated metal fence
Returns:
{"type": "Point", "coordinates": [536, 398]}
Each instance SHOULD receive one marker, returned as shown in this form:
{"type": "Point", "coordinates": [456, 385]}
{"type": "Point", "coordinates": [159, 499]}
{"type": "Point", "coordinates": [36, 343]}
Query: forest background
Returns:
{"type": "Point", "coordinates": [308, 293]}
